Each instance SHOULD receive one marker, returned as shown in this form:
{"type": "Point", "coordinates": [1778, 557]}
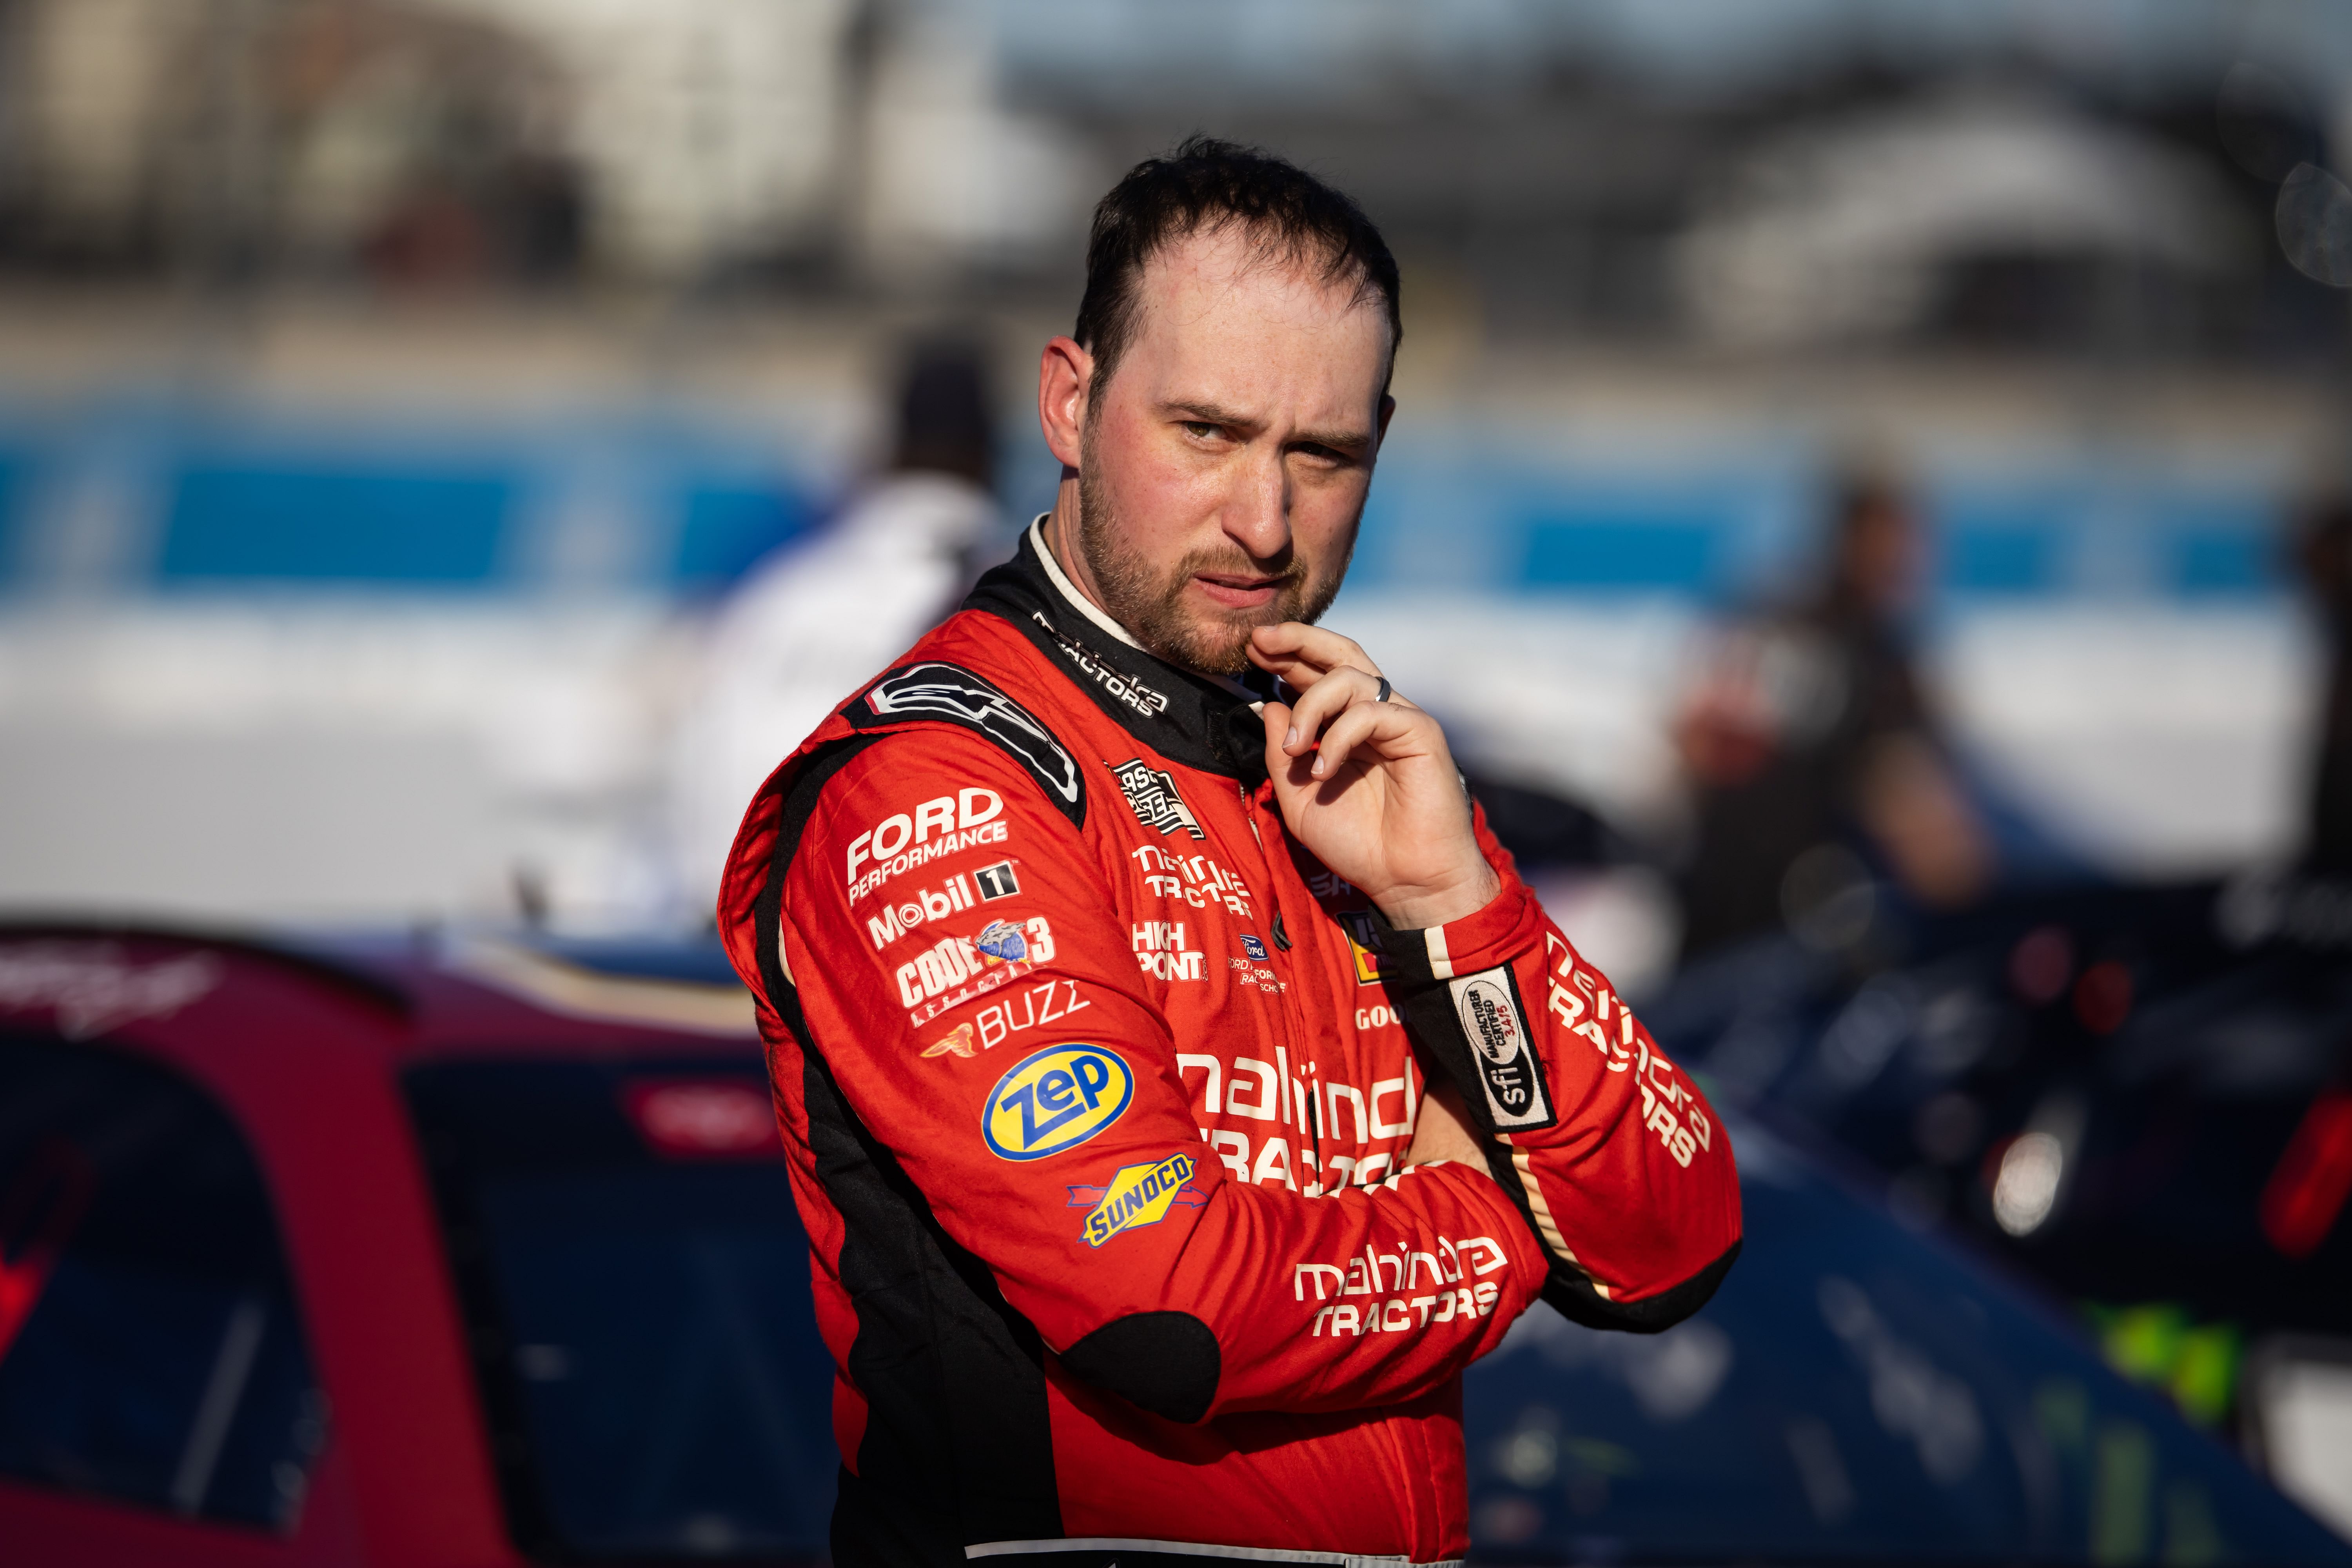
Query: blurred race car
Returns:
{"type": "Point", "coordinates": [457, 1255]}
{"type": "Point", "coordinates": [481, 1251]}
{"type": "Point", "coordinates": [2143, 1096]}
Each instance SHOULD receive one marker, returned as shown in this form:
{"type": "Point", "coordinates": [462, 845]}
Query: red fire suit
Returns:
{"type": "Point", "coordinates": [1096, 1088]}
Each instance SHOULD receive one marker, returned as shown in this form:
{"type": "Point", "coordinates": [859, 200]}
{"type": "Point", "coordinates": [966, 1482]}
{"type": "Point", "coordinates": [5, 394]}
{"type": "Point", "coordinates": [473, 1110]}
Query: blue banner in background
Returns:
{"type": "Point", "coordinates": [683, 507]}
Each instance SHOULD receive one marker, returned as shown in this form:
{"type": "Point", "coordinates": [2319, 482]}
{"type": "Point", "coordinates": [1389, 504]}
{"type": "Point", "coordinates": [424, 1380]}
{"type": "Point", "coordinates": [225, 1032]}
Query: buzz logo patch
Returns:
{"type": "Point", "coordinates": [1138, 1195]}
{"type": "Point", "coordinates": [1055, 1099]}
{"type": "Point", "coordinates": [996, 881]}
{"type": "Point", "coordinates": [1487, 1005]}
{"type": "Point", "coordinates": [1251, 946]}
{"type": "Point", "coordinates": [1151, 794]}
{"type": "Point", "coordinates": [959, 1042]}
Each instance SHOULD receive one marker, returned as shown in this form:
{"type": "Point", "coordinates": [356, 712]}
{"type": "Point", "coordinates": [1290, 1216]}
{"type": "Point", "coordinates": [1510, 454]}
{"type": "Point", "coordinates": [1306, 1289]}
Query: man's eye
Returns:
{"type": "Point", "coordinates": [1199, 429]}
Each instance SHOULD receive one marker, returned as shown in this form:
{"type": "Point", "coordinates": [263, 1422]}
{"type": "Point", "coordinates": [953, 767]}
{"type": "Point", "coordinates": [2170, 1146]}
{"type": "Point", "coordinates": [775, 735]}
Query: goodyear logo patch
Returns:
{"type": "Point", "coordinates": [1055, 1099]}
{"type": "Point", "coordinates": [1138, 1195]}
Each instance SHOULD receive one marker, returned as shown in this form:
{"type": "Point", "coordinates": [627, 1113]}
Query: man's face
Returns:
{"type": "Point", "coordinates": [1225, 466]}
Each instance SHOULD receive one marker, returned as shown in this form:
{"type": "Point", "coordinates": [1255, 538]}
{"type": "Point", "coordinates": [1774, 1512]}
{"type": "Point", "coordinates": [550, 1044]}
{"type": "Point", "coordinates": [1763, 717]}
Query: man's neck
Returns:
{"type": "Point", "coordinates": [1056, 548]}
{"type": "Point", "coordinates": [1057, 551]}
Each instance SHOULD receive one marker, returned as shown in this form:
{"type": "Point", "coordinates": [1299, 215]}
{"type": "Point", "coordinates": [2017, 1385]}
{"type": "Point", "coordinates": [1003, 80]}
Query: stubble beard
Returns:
{"type": "Point", "coordinates": [1151, 605]}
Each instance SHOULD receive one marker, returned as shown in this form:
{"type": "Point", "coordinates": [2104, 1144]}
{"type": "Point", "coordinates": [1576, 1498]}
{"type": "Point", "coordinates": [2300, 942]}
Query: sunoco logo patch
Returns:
{"type": "Point", "coordinates": [1055, 1099]}
{"type": "Point", "coordinates": [1138, 1195]}
{"type": "Point", "coordinates": [1492, 1020]}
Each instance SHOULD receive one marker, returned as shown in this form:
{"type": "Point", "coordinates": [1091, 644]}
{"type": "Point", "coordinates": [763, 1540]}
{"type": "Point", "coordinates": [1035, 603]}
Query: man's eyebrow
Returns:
{"type": "Point", "coordinates": [1212, 414]}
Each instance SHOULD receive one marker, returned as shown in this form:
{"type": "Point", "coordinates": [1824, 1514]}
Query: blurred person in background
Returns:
{"type": "Point", "coordinates": [1809, 732]}
{"type": "Point", "coordinates": [819, 614]}
{"type": "Point", "coordinates": [1085, 935]}
{"type": "Point", "coordinates": [2326, 560]}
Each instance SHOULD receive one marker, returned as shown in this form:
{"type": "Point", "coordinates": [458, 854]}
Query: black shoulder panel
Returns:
{"type": "Point", "coordinates": [1168, 1362]}
{"type": "Point", "coordinates": [959, 1446]}
{"type": "Point", "coordinates": [1575, 1299]}
{"type": "Point", "coordinates": [938, 691]}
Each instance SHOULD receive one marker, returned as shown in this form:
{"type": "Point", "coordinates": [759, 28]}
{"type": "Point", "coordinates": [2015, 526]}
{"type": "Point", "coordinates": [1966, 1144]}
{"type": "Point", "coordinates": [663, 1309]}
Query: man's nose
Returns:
{"type": "Point", "coordinates": [1257, 511]}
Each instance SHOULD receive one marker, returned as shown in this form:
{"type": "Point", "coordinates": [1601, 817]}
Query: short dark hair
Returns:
{"type": "Point", "coordinates": [1204, 185]}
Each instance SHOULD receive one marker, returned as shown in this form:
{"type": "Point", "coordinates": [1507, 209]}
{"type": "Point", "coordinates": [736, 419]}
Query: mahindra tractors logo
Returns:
{"type": "Point", "coordinates": [1122, 686]}
{"type": "Point", "coordinates": [1151, 795]}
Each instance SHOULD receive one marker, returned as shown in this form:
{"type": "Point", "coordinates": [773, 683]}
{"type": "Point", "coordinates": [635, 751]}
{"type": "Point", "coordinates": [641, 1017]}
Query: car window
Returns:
{"type": "Point", "coordinates": [637, 1283]}
{"type": "Point", "coordinates": [150, 1347]}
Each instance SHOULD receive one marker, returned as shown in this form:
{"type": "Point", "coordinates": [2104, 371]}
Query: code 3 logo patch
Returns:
{"type": "Point", "coordinates": [1494, 1024]}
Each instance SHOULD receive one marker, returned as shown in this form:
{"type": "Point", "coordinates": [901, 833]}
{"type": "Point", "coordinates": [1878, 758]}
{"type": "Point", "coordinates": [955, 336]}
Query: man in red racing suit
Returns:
{"type": "Point", "coordinates": [1102, 1094]}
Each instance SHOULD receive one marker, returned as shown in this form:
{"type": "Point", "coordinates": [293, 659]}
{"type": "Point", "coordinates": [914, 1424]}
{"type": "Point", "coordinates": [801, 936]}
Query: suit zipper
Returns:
{"type": "Point", "coordinates": [1293, 1018]}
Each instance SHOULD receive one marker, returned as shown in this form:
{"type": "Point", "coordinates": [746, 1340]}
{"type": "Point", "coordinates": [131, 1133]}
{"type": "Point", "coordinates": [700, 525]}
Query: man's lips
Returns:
{"type": "Point", "coordinates": [1238, 592]}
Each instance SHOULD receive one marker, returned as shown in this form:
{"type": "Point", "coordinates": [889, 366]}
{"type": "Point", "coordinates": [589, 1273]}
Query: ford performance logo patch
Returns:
{"type": "Point", "coordinates": [1055, 1099]}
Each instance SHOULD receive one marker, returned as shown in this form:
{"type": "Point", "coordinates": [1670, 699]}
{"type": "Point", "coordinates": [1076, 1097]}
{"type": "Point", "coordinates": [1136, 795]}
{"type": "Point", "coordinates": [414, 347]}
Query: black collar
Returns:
{"type": "Point", "coordinates": [1182, 716]}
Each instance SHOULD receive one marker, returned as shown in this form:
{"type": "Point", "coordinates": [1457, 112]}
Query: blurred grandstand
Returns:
{"type": "Point", "coordinates": [385, 384]}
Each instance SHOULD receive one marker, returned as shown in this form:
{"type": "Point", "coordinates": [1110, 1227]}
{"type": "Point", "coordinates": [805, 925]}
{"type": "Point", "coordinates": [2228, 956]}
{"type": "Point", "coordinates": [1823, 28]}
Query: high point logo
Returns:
{"type": "Point", "coordinates": [1151, 794]}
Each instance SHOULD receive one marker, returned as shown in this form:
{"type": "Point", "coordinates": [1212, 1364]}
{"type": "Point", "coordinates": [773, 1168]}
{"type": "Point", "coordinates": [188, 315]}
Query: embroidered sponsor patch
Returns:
{"type": "Point", "coordinates": [958, 1042]}
{"type": "Point", "coordinates": [1151, 794]}
{"type": "Point", "coordinates": [956, 969]}
{"type": "Point", "coordinates": [1358, 924]}
{"type": "Point", "coordinates": [1055, 1099]}
{"type": "Point", "coordinates": [936, 691]}
{"type": "Point", "coordinates": [996, 881]}
{"type": "Point", "coordinates": [1487, 1003]}
{"type": "Point", "coordinates": [1138, 1195]}
{"type": "Point", "coordinates": [1003, 940]}
{"type": "Point", "coordinates": [1254, 948]}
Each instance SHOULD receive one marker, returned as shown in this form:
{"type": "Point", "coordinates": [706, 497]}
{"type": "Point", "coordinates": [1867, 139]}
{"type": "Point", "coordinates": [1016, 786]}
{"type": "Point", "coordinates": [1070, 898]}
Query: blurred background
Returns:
{"type": "Point", "coordinates": [1868, 497]}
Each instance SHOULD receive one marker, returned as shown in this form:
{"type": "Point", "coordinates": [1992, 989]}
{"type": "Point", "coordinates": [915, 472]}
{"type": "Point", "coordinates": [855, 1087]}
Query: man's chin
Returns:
{"type": "Point", "coordinates": [1213, 646]}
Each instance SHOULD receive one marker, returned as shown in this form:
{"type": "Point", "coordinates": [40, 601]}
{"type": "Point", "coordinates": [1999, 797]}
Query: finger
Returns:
{"type": "Point", "coordinates": [1325, 702]}
{"type": "Point", "coordinates": [1381, 728]}
{"type": "Point", "coordinates": [1288, 771]}
{"type": "Point", "coordinates": [1302, 655]}
{"type": "Point", "coordinates": [1278, 720]}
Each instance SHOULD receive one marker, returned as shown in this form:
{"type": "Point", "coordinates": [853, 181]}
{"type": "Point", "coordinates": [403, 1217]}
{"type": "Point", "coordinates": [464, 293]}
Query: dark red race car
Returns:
{"type": "Point", "coordinates": [465, 1255]}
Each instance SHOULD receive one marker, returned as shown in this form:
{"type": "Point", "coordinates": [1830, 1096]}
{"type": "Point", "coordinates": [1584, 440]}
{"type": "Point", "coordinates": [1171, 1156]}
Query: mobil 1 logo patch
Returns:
{"type": "Point", "coordinates": [1487, 1003]}
{"type": "Point", "coordinates": [1151, 795]}
{"type": "Point", "coordinates": [996, 881]}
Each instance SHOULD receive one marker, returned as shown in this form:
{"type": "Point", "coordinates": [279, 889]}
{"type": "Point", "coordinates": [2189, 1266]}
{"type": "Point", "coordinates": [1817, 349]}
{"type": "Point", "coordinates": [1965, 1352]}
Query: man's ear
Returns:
{"type": "Point", "coordinates": [1064, 376]}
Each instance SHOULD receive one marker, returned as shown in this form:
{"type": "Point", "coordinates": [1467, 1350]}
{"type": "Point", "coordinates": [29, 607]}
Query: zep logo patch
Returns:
{"type": "Point", "coordinates": [1055, 1099]}
{"type": "Point", "coordinates": [1487, 1003]}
